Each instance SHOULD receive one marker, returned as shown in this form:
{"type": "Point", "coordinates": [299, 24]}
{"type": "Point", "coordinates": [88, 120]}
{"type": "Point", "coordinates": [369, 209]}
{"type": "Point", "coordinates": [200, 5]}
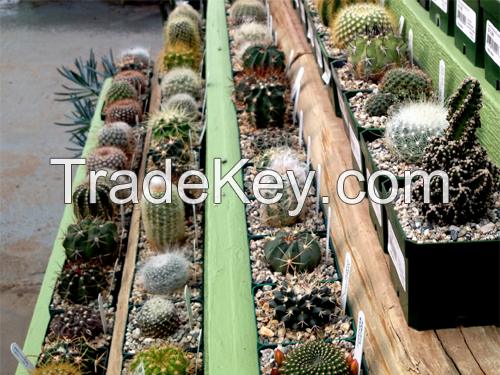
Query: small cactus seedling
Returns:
{"type": "Point", "coordinates": [125, 110]}
{"type": "Point", "coordinates": [181, 81]}
{"type": "Point", "coordinates": [172, 123]}
{"type": "Point", "coordinates": [120, 90]}
{"type": "Point", "coordinates": [81, 283]}
{"type": "Point", "coordinates": [406, 83]}
{"type": "Point", "coordinates": [183, 101]}
{"type": "Point", "coordinates": [378, 104]}
{"type": "Point", "coordinates": [252, 32]}
{"type": "Point", "coordinates": [77, 322]}
{"type": "Point", "coordinates": [290, 252]}
{"type": "Point", "coordinates": [178, 56]}
{"type": "Point", "coordinates": [106, 157]}
{"type": "Point", "coordinates": [116, 134]}
{"type": "Point", "coordinates": [103, 206]}
{"type": "Point", "coordinates": [186, 10]}
{"type": "Point", "coordinates": [157, 318]}
{"type": "Point", "coordinates": [182, 31]}
{"type": "Point", "coordinates": [56, 368]}
{"type": "Point", "coordinates": [166, 273]}
{"type": "Point", "coordinates": [164, 223]}
{"type": "Point", "coordinates": [90, 240]}
{"type": "Point", "coordinates": [135, 78]}
{"type": "Point", "coordinates": [243, 8]}
{"type": "Point", "coordinates": [166, 360]}
{"type": "Point", "coordinates": [135, 58]}
{"type": "Point", "coordinates": [264, 56]}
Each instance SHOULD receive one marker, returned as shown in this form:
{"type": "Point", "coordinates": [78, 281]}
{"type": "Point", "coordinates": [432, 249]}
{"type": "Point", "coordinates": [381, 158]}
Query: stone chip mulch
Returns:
{"type": "Point", "coordinates": [357, 104]}
{"type": "Point", "coordinates": [385, 160]}
{"type": "Point", "coordinates": [350, 82]}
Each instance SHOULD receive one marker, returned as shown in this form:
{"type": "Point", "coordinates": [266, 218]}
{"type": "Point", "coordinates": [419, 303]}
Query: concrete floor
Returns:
{"type": "Point", "coordinates": [36, 38]}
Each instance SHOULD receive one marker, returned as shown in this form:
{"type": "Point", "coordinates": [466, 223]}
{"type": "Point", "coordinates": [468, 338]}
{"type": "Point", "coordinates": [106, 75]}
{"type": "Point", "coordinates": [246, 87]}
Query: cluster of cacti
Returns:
{"type": "Point", "coordinates": [252, 32]}
{"type": "Point", "coordinates": [165, 360]}
{"type": "Point", "coordinates": [120, 90]}
{"type": "Point", "coordinates": [264, 56]}
{"type": "Point", "coordinates": [304, 302]}
{"type": "Point", "coordinates": [135, 58]}
{"type": "Point", "coordinates": [242, 8]}
{"type": "Point", "coordinates": [106, 157]}
{"type": "Point", "coordinates": [90, 240]}
{"type": "Point", "coordinates": [291, 252]}
{"type": "Point", "coordinates": [374, 52]}
{"type": "Point", "coordinates": [103, 206]}
{"type": "Point", "coordinates": [73, 352]}
{"type": "Point", "coordinates": [411, 127]}
{"type": "Point", "coordinates": [80, 283]}
{"type": "Point", "coordinates": [267, 139]}
{"type": "Point", "coordinates": [358, 18]}
{"type": "Point", "coordinates": [135, 78]}
{"type": "Point", "coordinates": [56, 368]}
{"type": "Point", "coordinates": [158, 318]}
{"type": "Point", "coordinates": [166, 273]}
{"type": "Point", "coordinates": [172, 123]}
{"type": "Point", "coordinates": [407, 83]}
{"type": "Point", "coordinates": [126, 110]}
{"type": "Point", "coordinates": [183, 101]}
{"type": "Point", "coordinates": [77, 322]}
{"type": "Point", "coordinates": [181, 81]}
{"type": "Point", "coordinates": [178, 55]}
{"type": "Point", "coordinates": [164, 223]}
{"type": "Point", "coordinates": [115, 134]}
{"type": "Point", "coordinates": [473, 178]}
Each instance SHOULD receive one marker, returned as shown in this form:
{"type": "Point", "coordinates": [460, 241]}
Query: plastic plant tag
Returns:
{"type": "Point", "coordinates": [308, 160]}
{"type": "Point", "coordinates": [205, 95]}
{"type": "Point", "coordinates": [345, 281]}
{"type": "Point", "coordinates": [114, 273]}
{"type": "Point", "coordinates": [401, 25]}
{"type": "Point", "coordinates": [376, 206]}
{"type": "Point", "coordinates": [21, 357]}
{"type": "Point", "coordinates": [195, 227]}
{"type": "Point", "coordinates": [203, 130]}
{"type": "Point", "coordinates": [302, 13]}
{"type": "Point", "coordinates": [354, 145]}
{"type": "Point", "coordinates": [301, 127]}
{"type": "Point", "coordinates": [121, 242]}
{"type": "Point", "coordinates": [295, 104]}
{"type": "Point", "coordinates": [410, 46]}
{"type": "Point", "coordinates": [267, 13]}
{"type": "Point", "coordinates": [360, 338]}
{"type": "Point", "coordinates": [327, 74]}
{"type": "Point", "coordinates": [319, 55]}
{"type": "Point", "coordinates": [492, 45]}
{"type": "Point", "coordinates": [328, 223]}
{"type": "Point", "coordinates": [103, 314]}
{"type": "Point", "coordinates": [290, 60]}
{"type": "Point", "coordinates": [466, 20]}
{"type": "Point", "coordinates": [310, 33]}
{"type": "Point", "coordinates": [396, 255]}
{"type": "Point", "coordinates": [442, 73]}
{"type": "Point", "coordinates": [188, 306]}
{"type": "Point", "coordinates": [318, 190]}
{"type": "Point", "coordinates": [271, 23]}
{"type": "Point", "coordinates": [137, 120]}
{"type": "Point", "coordinates": [297, 82]}
{"type": "Point", "coordinates": [276, 38]}
{"type": "Point", "coordinates": [145, 106]}
{"type": "Point", "coordinates": [198, 350]}
{"type": "Point", "coordinates": [296, 3]}
{"type": "Point", "coordinates": [442, 4]}
{"type": "Point", "coordinates": [122, 214]}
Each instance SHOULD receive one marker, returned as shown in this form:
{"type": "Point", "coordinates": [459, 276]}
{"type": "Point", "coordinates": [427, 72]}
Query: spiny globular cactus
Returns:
{"type": "Point", "coordinates": [126, 110]}
{"type": "Point", "coordinates": [357, 18]}
{"type": "Point", "coordinates": [315, 358]}
{"type": "Point", "coordinates": [407, 83]}
{"type": "Point", "coordinates": [178, 55]}
{"type": "Point", "coordinates": [81, 283]}
{"type": "Point", "coordinates": [164, 223]}
{"type": "Point", "coordinates": [166, 360]}
{"type": "Point", "coordinates": [183, 101]}
{"type": "Point", "coordinates": [77, 322]}
{"type": "Point", "coordinates": [75, 352]}
{"type": "Point", "coordinates": [262, 56]}
{"type": "Point", "coordinates": [304, 302]}
{"type": "Point", "coordinates": [182, 31]}
{"type": "Point", "coordinates": [116, 134]}
{"type": "Point", "coordinates": [290, 252]}
{"type": "Point", "coordinates": [120, 90]}
{"type": "Point", "coordinates": [135, 78]}
{"type": "Point", "coordinates": [252, 32]}
{"type": "Point", "coordinates": [172, 123]}
{"type": "Point", "coordinates": [378, 104]}
{"type": "Point", "coordinates": [243, 8]}
{"type": "Point", "coordinates": [373, 53]}
{"type": "Point", "coordinates": [106, 157]}
{"type": "Point", "coordinates": [325, 9]}
{"type": "Point", "coordinates": [103, 206]}
{"type": "Point", "coordinates": [267, 139]}
{"type": "Point", "coordinates": [411, 127]}
{"type": "Point", "coordinates": [166, 273]}
{"type": "Point", "coordinates": [157, 318]}
{"type": "Point", "coordinates": [134, 58]}
{"type": "Point", "coordinates": [177, 151]}
{"type": "Point", "coordinates": [59, 368]}
{"type": "Point", "coordinates": [90, 240]}
{"type": "Point", "coordinates": [245, 19]}
{"type": "Point", "coordinates": [181, 81]}
{"type": "Point", "coordinates": [473, 178]}
{"type": "Point", "coordinates": [186, 10]}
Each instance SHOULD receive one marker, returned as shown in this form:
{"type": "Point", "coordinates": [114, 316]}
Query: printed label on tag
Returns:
{"type": "Point", "coordinates": [345, 281]}
{"type": "Point", "coordinates": [327, 74]}
{"type": "Point", "coordinates": [355, 146]}
{"type": "Point", "coordinates": [396, 255]}
{"type": "Point", "coordinates": [376, 207]}
{"type": "Point", "coordinates": [21, 357]}
{"type": "Point", "coordinates": [442, 4]}
{"type": "Point", "coordinates": [319, 55]}
{"type": "Point", "coordinates": [466, 20]}
{"type": "Point", "coordinates": [492, 42]}
{"type": "Point", "coordinates": [302, 13]}
{"type": "Point", "coordinates": [442, 73]}
{"type": "Point", "coordinates": [103, 314]}
{"type": "Point", "coordinates": [189, 307]}
{"type": "Point", "coordinates": [360, 339]}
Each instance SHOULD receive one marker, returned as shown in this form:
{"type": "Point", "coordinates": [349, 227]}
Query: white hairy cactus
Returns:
{"type": "Point", "coordinates": [252, 32]}
{"type": "Point", "coordinates": [412, 125]}
{"type": "Point", "coordinates": [166, 273]}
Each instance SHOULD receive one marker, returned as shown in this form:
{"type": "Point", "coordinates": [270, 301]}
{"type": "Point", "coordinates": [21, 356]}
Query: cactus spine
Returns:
{"type": "Point", "coordinates": [172, 123]}
{"type": "Point", "coordinates": [182, 31]}
{"type": "Point", "coordinates": [243, 8]}
{"type": "Point", "coordinates": [180, 56]}
{"type": "Point", "coordinates": [183, 101]}
{"type": "Point", "coordinates": [116, 134]}
{"type": "Point", "coordinates": [56, 368]}
{"type": "Point", "coordinates": [75, 352]}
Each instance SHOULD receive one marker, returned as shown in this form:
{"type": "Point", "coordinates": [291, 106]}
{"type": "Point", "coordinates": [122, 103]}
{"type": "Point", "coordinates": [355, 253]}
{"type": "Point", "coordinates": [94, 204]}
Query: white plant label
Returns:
{"type": "Point", "coordinates": [205, 95]}
{"type": "Point", "coordinates": [442, 74]}
{"type": "Point", "coordinates": [302, 13]}
{"type": "Point", "coordinates": [396, 255]}
{"type": "Point", "coordinates": [195, 227]}
{"type": "Point", "coordinates": [301, 127]}
{"type": "Point", "coordinates": [308, 157]}
{"type": "Point", "coordinates": [466, 20]}
{"type": "Point", "coordinates": [203, 131]}
{"type": "Point", "coordinates": [103, 314]}
{"type": "Point", "coordinates": [328, 224]}
{"type": "Point", "coordinates": [442, 4]}
{"type": "Point", "coordinates": [296, 104]}
{"type": "Point", "coordinates": [401, 25]}
{"type": "Point", "coordinates": [276, 37]}
{"type": "Point", "coordinates": [410, 46]}
{"type": "Point", "coordinates": [267, 13]}
{"type": "Point", "coordinates": [318, 191]}
{"type": "Point", "coordinates": [296, 3]}
{"type": "Point", "coordinates": [297, 82]}
{"type": "Point", "coordinates": [355, 146]}
{"type": "Point", "coordinates": [189, 307]}
{"type": "Point", "coordinates": [492, 42]}
{"type": "Point", "coordinates": [345, 281]}
{"type": "Point", "coordinates": [290, 60]}
{"type": "Point", "coordinates": [198, 350]}
{"type": "Point", "coordinates": [21, 357]}
{"type": "Point", "coordinates": [376, 207]}
{"type": "Point", "coordinates": [271, 23]}
{"type": "Point", "coordinates": [327, 74]}
{"type": "Point", "coordinates": [310, 33]}
{"type": "Point", "coordinates": [319, 55]}
{"type": "Point", "coordinates": [360, 338]}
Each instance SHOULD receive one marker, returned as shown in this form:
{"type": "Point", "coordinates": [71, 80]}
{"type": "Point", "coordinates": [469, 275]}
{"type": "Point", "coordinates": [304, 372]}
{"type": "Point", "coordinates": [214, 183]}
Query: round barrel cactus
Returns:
{"type": "Point", "coordinates": [184, 101]}
{"type": "Point", "coordinates": [116, 134]}
{"type": "Point", "coordinates": [165, 359]}
{"type": "Point", "coordinates": [166, 273]}
{"type": "Point", "coordinates": [135, 78]}
{"type": "Point", "coordinates": [126, 110]}
{"type": "Point", "coordinates": [74, 352]}
{"type": "Point", "coordinates": [264, 56]}
{"type": "Point", "coordinates": [103, 207]}
{"type": "Point", "coordinates": [243, 8]}
{"type": "Point", "coordinates": [120, 90]}
{"type": "Point", "coordinates": [77, 322]}
{"type": "Point", "coordinates": [158, 318]}
{"type": "Point", "coordinates": [181, 81]}
{"type": "Point", "coordinates": [182, 30]}
{"type": "Point", "coordinates": [56, 368]}
{"type": "Point", "coordinates": [81, 283]}
{"type": "Point", "coordinates": [407, 83]}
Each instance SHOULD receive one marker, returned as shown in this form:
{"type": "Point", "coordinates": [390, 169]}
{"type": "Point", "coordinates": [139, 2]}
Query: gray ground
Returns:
{"type": "Point", "coordinates": [37, 38]}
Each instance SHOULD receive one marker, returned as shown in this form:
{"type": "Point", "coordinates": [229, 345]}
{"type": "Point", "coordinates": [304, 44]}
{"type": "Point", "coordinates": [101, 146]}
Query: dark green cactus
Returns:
{"type": "Point", "coordinates": [81, 283]}
{"type": "Point", "coordinates": [103, 207]}
{"type": "Point", "coordinates": [120, 90]}
{"type": "Point", "coordinates": [290, 252]}
{"type": "Point", "coordinates": [183, 31]}
{"type": "Point", "coordinates": [91, 240]}
{"type": "Point", "coordinates": [264, 56]}
{"type": "Point", "coordinates": [315, 358]}
{"type": "Point", "coordinates": [177, 151]}
{"type": "Point", "coordinates": [157, 318]}
{"type": "Point", "coordinates": [406, 83]}
{"type": "Point", "coordinates": [76, 352]}
{"type": "Point", "coordinates": [174, 123]}
{"type": "Point", "coordinates": [243, 8]}
{"type": "Point", "coordinates": [165, 360]}
{"type": "Point", "coordinates": [473, 178]}
{"type": "Point", "coordinates": [77, 322]}
{"type": "Point", "coordinates": [378, 104]}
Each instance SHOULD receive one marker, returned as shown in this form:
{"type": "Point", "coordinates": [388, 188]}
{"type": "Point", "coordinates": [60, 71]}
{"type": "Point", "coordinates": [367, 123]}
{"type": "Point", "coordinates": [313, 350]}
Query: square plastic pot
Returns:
{"type": "Point", "coordinates": [443, 18]}
{"type": "Point", "coordinates": [472, 48]}
{"type": "Point", "coordinates": [424, 4]}
{"type": "Point", "coordinates": [491, 23]}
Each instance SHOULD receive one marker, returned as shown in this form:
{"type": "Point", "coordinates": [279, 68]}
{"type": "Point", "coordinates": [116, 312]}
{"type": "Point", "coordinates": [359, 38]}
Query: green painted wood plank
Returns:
{"type": "Point", "coordinates": [430, 45]}
{"type": "Point", "coordinates": [40, 320]}
{"type": "Point", "coordinates": [229, 323]}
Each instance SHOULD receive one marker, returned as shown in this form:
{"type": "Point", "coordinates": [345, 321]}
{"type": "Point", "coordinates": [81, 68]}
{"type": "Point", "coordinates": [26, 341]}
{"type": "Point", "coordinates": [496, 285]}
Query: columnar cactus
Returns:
{"type": "Point", "coordinates": [178, 55]}
{"type": "Point", "coordinates": [290, 252]}
{"type": "Point", "coordinates": [157, 318]}
{"type": "Point", "coordinates": [357, 18]}
{"type": "Point", "coordinates": [473, 178]}
{"type": "Point", "coordinates": [183, 101]}
{"type": "Point", "coordinates": [315, 358]}
{"type": "Point", "coordinates": [374, 52]}
{"type": "Point", "coordinates": [186, 10]}
{"type": "Point", "coordinates": [135, 78]}
{"type": "Point", "coordinates": [56, 368]}
{"type": "Point", "coordinates": [81, 283]}
{"type": "Point", "coordinates": [252, 32]}
{"type": "Point", "coordinates": [166, 273]}
{"type": "Point", "coordinates": [116, 134]}
{"type": "Point", "coordinates": [304, 302]}
{"type": "Point", "coordinates": [411, 127]}
{"type": "Point", "coordinates": [378, 104]}
{"type": "Point", "coordinates": [172, 123]}
{"type": "Point", "coordinates": [248, 8]}
{"type": "Point", "coordinates": [90, 240]}
{"type": "Point", "coordinates": [126, 110]}
{"type": "Point", "coordinates": [74, 352]}
{"type": "Point", "coordinates": [164, 223]}
{"type": "Point", "coordinates": [181, 81]}
{"type": "Point", "coordinates": [120, 90]}
{"type": "Point", "coordinates": [407, 83]}
{"type": "Point", "coordinates": [264, 56]}
{"type": "Point", "coordinates": [77, 322]}
{"type": "Point", "coordinates": [165, 359]}
{"type": "Point", "coordinates": [106, 157]}
{"type": "Point", "coordinates": [182, 31]}
{"type": "Point", "coordinates": [103, 207]}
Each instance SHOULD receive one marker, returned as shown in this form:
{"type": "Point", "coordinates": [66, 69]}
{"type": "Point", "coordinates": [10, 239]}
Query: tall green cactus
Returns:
{"type": "Point", "coordinates": [264, 56]}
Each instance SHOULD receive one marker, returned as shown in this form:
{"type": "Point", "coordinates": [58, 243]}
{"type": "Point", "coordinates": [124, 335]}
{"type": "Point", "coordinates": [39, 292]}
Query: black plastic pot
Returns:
{"type": "Point", "coordinates": [443, 18]}
{"type": "Point", "coordinates": [472, 48]}
{"type": "Point", "coordinates": [491, 21]}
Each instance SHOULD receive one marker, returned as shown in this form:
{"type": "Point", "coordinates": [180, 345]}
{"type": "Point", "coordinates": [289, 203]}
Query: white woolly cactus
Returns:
{"type": "Point", "coordinates": [165, 273]}
{"type": "Point", "coordinates": [412, 125]}
{"type": "Point", "coordinates": [252, 32]}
